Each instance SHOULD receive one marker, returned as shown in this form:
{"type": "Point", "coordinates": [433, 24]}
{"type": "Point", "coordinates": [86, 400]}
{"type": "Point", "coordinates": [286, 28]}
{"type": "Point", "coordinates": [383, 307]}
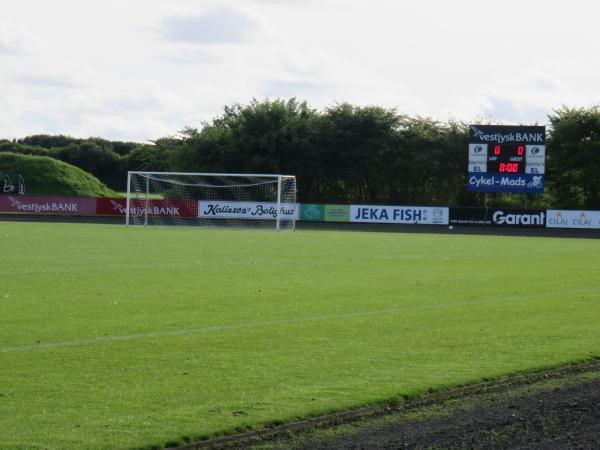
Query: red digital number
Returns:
{"type": "Point", "coordinates": [497, 149]}
{"type": "Point", "coordinates": [509, 167]}
{"type": "Point", "coordinates": [520, 150]}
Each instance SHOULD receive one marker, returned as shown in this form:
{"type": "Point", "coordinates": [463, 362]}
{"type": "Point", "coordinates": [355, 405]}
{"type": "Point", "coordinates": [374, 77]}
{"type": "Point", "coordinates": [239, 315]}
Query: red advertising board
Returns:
{"type": "Point", "coordinates": [31, 204]}
{"type": "Point", "coordinates": [117, 207]}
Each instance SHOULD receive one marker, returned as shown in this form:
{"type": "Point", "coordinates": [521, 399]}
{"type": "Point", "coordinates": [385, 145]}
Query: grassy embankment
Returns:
{"type": "Point", "coordinates": [48, 176]}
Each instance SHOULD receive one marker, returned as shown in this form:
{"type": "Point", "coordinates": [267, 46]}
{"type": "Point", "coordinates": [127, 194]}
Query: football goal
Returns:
{"type": "Point", "coordinates": [212, 199]}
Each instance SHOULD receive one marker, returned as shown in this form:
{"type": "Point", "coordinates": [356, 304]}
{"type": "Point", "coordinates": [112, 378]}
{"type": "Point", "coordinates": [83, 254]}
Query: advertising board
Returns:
{"type": "Point", "coordinates": [426, 215]}
{"type": "Point", "coordinates": [337, 213]}
{"type": "Point", "coordinates": [312, 212]}
{"type": "Point", "coordinates": [246, 210]}
{"type": "Point", "coordinates": [317, 212]}
{"type": "Point", "coordinates": [494, 182]}
{"type": "Point", "coordinates": [31, 204]}
{"type": "Point", "coordinates": [556, 218]}
{"type": "Point", "coordinates": [498, 217]}
{"type": "Point", "coordinates": [117, 207]}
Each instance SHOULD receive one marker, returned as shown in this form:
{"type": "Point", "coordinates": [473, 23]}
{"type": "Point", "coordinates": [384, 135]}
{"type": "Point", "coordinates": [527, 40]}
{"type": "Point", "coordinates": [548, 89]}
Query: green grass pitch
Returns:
{"type": "Point", "coordinates": [116, 337]}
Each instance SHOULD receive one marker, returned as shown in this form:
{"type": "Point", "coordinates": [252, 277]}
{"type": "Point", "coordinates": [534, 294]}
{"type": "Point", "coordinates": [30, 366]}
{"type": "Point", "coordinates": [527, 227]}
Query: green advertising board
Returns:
{"type": "Point", "coordinates": [312, 212]}
{"type": "Point", "coordinates": [337, 213]}
{"type": "Point", "coordinates": [316, 212]}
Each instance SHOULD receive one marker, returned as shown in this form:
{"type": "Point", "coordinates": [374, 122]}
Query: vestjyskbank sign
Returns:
{"type": "Point", "coordinates": [47, 205]}
{"type": "Point", "coordinates": [572, 219]}
{"type": "Point", "coordinates": [246, 210]}
{"type": "Point", "coordinates": [171, 208]}
{"type": "Point", "coordinates": [422, 215]}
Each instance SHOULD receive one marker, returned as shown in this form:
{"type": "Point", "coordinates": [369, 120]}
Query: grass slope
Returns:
{"type": "Point", "coordinates": [115, 337]}
{"type": "Point", "coordinates": [48, 176]}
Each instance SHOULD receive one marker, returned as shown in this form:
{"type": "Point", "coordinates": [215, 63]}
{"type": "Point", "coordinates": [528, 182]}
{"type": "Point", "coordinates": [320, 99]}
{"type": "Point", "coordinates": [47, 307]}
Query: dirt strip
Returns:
{"type": "Point", "coordinates": [550, 409]}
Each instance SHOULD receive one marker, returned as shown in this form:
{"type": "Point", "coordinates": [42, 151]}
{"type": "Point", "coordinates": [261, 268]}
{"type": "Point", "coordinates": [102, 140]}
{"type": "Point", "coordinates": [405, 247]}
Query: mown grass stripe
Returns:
{"type": "Point", "coordinates": [130, 337]}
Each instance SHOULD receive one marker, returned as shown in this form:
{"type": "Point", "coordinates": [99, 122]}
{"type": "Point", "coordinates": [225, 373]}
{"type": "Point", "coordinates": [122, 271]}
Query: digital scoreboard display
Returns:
{"type": "Point", "coordinates": [507, 158]}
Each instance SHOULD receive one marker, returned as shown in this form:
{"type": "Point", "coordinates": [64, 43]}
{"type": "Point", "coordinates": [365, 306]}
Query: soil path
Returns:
{"type": "Point", "coordinates": [553, 409]}
{"type": "Point", "coordinates": [564, 418]}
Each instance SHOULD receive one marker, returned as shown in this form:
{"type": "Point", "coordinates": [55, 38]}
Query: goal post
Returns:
{"type": "Point", "coordinates": [211, 199]}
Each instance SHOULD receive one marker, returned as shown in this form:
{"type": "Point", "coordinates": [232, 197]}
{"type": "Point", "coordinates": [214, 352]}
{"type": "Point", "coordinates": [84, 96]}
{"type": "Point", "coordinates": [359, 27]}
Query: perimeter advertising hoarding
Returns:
{"type": "Point", "coordinates": [172, 208]}
{"type": "Point", "coordinates": [498, 217]}
{"type": "Point", "coordinates": [246, 210]}
{"type": "Point", "coordinates": [422, 215]}
{"type": "Point", "coordinates": [337, 213]}
{"type": "Point", "coordinates": [560, 218]}
{"type": "Point", "coordinates": [317, 212]}
{"type": "Point", "coordinates": [31, 204]}
{"type": "Point", "coordinates": [312, 212]}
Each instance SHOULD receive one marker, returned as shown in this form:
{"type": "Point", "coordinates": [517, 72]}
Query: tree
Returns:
{"type": "Point", "coordinates": [573, 157]}
{"type": "Point", "coordinates": [105, 164]}
{"type": "Point", "coordinates": [347, 154]}
{"type": "Point", "coordinates": [352, 144]}
{"type": "Point", "coordinates": [155, 157]}
{"type": "Point", "coordinates": [49, 141]}
{"type": "Point", "coordinates": [271, 136]}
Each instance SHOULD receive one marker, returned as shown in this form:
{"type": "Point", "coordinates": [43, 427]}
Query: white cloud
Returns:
{"type": "Point", "coordinates": [216, 25]}
{"type": "Point", "coordinates": [43, 81]}
{"type": "Point", "coordinates": [15, 40]}
{"type": "Point", "coordinates": [189, 54]}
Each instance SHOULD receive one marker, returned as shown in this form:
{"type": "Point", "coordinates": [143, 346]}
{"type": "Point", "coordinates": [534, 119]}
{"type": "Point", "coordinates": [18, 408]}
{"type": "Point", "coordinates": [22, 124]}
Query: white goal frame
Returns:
{"type": "Point", "coordinates": [284, 214]}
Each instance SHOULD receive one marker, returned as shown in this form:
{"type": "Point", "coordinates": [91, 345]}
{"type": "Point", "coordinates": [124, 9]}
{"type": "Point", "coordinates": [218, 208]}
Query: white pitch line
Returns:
{"type": "Point", "coordinates": [408, 309]}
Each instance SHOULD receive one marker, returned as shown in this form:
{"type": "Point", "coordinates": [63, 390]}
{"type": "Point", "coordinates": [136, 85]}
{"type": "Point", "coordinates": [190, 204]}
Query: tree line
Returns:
{"type": "Point", "coordinates": [344, 154]}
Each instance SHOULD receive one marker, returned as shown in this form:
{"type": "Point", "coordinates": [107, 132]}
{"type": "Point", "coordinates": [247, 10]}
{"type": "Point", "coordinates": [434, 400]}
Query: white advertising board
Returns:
{"type": "Point", "coordinates": [559, 218]}
{"type": "Point", "coordinates": [245, 210]}
{"type": "Point", "coordinates": [425, 215]}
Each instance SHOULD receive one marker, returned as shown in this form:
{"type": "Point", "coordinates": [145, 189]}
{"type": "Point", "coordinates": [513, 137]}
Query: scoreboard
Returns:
{"type": "Point", "coordinates": [506, 158]}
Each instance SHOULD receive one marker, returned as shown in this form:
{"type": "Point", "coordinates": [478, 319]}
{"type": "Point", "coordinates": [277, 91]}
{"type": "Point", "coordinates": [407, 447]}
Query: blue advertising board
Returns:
{"type": "Point", "coordinates": [500, 182]}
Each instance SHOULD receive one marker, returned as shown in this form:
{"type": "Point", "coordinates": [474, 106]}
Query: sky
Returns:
{"type": "Point", "coordinates": [139, 70]}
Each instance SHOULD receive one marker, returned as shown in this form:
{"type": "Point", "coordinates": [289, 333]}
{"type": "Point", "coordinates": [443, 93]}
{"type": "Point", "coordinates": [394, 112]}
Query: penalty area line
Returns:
{"type": "Point", "coordinates": [349, 315]}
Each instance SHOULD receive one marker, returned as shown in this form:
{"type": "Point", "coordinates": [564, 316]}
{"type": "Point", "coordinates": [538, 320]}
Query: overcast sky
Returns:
{"type": "Point", "coordinates": [143, 69]}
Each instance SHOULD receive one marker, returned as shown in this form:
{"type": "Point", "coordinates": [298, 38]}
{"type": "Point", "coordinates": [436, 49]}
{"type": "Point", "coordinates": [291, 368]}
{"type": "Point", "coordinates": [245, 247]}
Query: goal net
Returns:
{"type": "Point", "coordinates": [212, 199]}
